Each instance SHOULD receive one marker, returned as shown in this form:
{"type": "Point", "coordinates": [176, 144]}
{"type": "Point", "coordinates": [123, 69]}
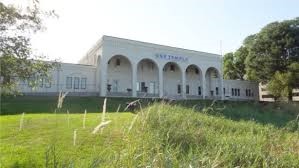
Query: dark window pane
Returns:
{"type": "Point", "coordinates": [179, 89]}
{"type": "Point", "coordinates": [76, 82]}
{"type": "Point", "coordinates": [83, 83]}
{"type": "Point", "coordinates": [172, 68]}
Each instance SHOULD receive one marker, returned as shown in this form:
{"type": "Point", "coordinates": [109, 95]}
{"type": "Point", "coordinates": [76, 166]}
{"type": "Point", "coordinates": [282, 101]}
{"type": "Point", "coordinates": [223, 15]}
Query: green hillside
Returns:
{"type": "Point", "coordinates": [180, 134]}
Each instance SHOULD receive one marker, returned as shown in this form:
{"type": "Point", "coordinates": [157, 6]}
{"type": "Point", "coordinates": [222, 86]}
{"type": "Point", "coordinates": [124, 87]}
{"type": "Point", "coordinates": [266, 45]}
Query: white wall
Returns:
{"type": "Point", "coordinates": [147, 71]}
{"type": "Point", "coordinates": [212, 82]}
{"type": "Point", "coordinates": [171, 80]}
{"type": "Point", "coordinates": [135, 51]}
{"type": "Point", "coordinates": [58, 80]}
{"type": "Point", "coordinates": [242, 85]}
{"type": "Point", "coordinates": [193, 80]}
{"type": "Point", "coordinates": [121, 73]}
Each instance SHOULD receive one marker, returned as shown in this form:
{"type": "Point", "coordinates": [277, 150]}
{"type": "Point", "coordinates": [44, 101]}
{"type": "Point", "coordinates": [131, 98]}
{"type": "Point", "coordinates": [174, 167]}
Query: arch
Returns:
{"type": "Point", "coordinates": [213, 83]}
{"type": "Point", "coordinates": [119, 76]}
{"type": "Point", "coordinates": [147, 78]}
{"type": "Point", "coordinates": [172, 80]}
{"type": "Point", "coordinates": [119, 56]}
{"type": "Point", "coordinates": [194, 82]}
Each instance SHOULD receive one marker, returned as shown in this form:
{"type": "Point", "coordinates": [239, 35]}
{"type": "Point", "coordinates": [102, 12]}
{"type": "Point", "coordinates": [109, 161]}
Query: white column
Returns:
{"type": "Point", "coordinates": [183, 84]}
{"type": "Point", "coordinates": [134, 79]}
{"type": "Point", "coordinates": [161, 82]}
{"type": "Point", "coordinates": [221, 88]}
{"type": "Point", "coordinates": [203, 85]}
{"type": "Point", "coordinates": [97, 84]}
{"type": "Point", "coordinates": [103, 78]}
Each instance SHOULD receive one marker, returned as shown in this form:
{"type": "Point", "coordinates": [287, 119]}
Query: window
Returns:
{"type": "Point", "coordinates": [143, 87]}
{"type": "Point", "coordinates": [233, 93]}
{"type": "Point", "coordinates": [83, 83]}
{"type": "Point", "coordinates": [217, 91]}
{"type": "Point", "coordinates": [76, 82]}
{"type": "Point", "coordinates": [196, 71]}
{"type": "Point", "coordinates": [238, 92]}
{"type": "Point", "coordinates": [172, 68]}
{"type": "Point", "coordinates": [69, 81]}
{"type": "Point", "coordinates": [152, 87]}
{"type": "Point", "coordinates": [268, 96]}
{"type": "Point", "coordinates": [179, 89]}
{"type": "Point", "coordinates": [246, 92]}
{"type": "Point", "coordinates": [295, 94]}
{"type": "Point", "coordinates": [223, 91]}
{"type": "Point", "coordinates": [199, 90]}
{"type": "Point", "coordinates": [187, 89]}
{"type": "Point", "coordinates": [214, 74]}
{"type": "Point", "coordinates": [117, 62]}
{"type": "Point", "coordinates": [47, 83]}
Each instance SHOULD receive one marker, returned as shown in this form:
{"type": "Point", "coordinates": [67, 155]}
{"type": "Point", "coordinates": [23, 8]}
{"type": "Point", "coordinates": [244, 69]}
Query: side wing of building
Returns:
{"type": "Point", "coordinates": [240, 90]}
{"type": "Point", "coordinates": [76, 79]}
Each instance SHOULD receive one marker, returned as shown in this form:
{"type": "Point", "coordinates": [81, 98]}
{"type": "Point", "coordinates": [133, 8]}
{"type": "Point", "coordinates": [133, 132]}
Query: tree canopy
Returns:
{"type": "Point", "coordinates": [269, 56]}
{"type": "Point", "coordinates": [18, 62]}
{"type": "Point", "coordinates": [274, 48]}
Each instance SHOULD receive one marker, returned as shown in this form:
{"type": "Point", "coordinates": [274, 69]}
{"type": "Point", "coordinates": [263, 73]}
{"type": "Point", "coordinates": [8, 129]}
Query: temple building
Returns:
{"type": "Point", "coordinates": [117, 67]}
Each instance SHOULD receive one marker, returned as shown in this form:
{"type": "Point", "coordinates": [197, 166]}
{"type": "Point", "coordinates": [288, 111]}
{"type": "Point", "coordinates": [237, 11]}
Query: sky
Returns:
{"type": "Point", "coordinates": [214, 26]}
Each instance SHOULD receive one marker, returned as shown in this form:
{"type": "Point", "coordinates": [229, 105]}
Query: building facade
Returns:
{"type": "Point", "coordinates": [265, 95]}
{"type": "Point", "coordinates": [119, 67]}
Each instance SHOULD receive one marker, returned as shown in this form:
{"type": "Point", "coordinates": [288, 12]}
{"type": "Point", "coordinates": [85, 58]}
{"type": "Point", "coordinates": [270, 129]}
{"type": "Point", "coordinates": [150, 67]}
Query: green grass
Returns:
{"type": "Point", "coordinates": [47, 104]}
{"type": "Point", "coordinates": [44, 132]}
{"type": "Point", "coordinates": [225, 134]}
{"type": "Point", "coordinates": [278, 114]}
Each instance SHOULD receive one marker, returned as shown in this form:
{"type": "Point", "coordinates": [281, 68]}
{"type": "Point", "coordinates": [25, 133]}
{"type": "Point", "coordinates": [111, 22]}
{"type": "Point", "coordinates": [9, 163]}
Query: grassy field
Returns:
{"type": "Point", "coordinates": [180, 134]}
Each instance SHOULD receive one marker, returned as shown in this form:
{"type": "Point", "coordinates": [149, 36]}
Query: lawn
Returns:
{"type": "Point", "coordinates": [181, 134]}
{"type": "Point", "coordinates": [50, 135]}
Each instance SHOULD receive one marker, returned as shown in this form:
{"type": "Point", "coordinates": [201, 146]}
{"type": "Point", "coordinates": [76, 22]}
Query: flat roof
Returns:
{"type": "Point", "coordinates": [159, 45]}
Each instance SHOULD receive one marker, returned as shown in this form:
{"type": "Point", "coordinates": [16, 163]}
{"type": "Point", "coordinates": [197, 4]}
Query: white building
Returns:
{"type": "Point", "coordinates": [265, 95]}
{"type": "Point", "coordinates": [128, 68]}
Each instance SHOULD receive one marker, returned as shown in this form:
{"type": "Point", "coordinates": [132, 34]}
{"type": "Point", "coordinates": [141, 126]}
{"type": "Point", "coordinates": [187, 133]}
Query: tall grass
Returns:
{"type": "Point", "coordinates": [164, 135]}
{"type": "Point", "coordinates": [22, 121]}
{"type": "Point", "coordinates": [177, 136]}
{"type": "Point", "coordinates": [84, 118]}
{"type": "Point", "coordinates": [103, 122]}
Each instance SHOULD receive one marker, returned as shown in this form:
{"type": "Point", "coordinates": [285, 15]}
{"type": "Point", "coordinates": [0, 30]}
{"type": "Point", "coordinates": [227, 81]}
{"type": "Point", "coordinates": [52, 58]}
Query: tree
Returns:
{"type": "Point", "coordinates": [273, 49]}
{"type": "Point", "coordinates": [234, 63]}
{"type": "Point", "coordinates": [269, 56]}
{"type": "Point", "coordinates": [17, 59]}
{"type": "Point", "coordinates": [229, 66]}
{"type": "Point", "coordinates": [240, 56]}
{"type": "Point", "coordinates": [274, 56]}
{"type": "Point", "coordinates": [280, 85]}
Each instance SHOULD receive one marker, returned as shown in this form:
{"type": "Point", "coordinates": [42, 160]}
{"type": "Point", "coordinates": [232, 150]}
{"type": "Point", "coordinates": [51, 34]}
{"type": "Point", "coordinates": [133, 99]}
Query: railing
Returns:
{"type": "Point", "coordinates": [119, 94]}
